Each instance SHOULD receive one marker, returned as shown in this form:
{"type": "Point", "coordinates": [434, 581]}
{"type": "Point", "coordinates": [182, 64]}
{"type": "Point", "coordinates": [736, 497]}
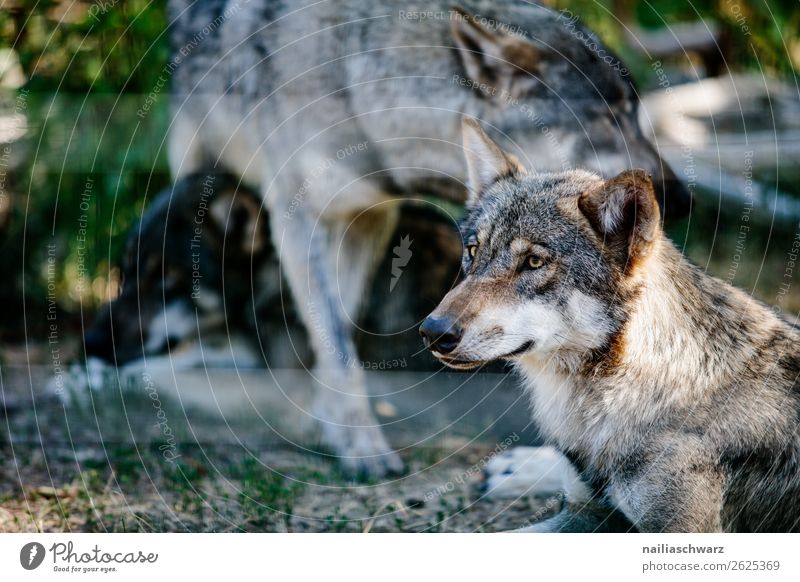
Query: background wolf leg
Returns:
{"type": "Point", "coordinates": [308, 252]}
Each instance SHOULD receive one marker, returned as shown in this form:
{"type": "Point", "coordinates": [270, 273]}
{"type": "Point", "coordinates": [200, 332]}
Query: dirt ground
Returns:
{"type": "Point", "coordinates": [124, 489]}
{"type": "Point", "coordinates": [55, 476]}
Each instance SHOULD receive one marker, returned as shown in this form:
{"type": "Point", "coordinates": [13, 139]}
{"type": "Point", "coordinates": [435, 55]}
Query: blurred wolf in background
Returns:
{"type": "Point", "coordinates": [331, 110]}
{"type": "Point", "coordinates": [174, 283]}
{"type": "Point", "coordinates": [201, 284]}
{"type": "Point", "coordinates": [674, 395]}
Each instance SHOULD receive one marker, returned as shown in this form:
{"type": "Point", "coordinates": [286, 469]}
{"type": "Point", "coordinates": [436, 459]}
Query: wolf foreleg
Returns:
{"type": "Point", "coordinates": [341, 403]}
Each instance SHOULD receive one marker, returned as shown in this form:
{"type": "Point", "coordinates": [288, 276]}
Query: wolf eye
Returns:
{"type": "Point", "coordinates": [534, 262]}
{"type": "Point", "coordinates": [472, 250]}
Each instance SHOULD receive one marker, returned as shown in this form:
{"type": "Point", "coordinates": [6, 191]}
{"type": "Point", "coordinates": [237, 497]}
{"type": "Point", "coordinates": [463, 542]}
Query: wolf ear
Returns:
{"type": "Point", "coordinates": [237, 216]}
{"type": "Point", "coordinates": [486, 162]}
{"type": "Point", "coordinates": [624, 211]}
{"type": "Point", "coordinates": [496, 60]}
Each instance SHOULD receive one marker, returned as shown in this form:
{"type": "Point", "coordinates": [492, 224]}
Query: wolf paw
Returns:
{"type": "Point", "coordinates": [529, 471]}
{"type": "Point", "coordinates": [363, 451]}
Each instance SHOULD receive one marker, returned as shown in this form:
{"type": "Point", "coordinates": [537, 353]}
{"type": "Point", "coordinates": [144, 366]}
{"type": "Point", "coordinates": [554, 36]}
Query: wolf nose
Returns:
{"type": "Point", "coordinates": [98, 344]}
{"type": "Point", "coordinates": [441, 335]}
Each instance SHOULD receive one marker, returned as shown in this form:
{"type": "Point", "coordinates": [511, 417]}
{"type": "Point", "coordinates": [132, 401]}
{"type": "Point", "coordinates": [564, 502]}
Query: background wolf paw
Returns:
{"type": "Point", "coordinates": [363, 452]}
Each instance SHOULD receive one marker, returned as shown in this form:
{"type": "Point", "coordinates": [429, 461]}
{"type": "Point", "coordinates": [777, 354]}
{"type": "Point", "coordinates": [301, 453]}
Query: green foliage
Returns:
{"type": "Point", "coordinates": [756, 34]}
{"type": "Point", "coordinates": [87, 66]}
{"type": "Point", "coordinates": [105, 47]}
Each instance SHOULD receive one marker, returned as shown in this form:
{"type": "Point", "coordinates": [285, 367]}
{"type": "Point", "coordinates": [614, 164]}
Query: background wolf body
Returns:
{"type": "Point", "coordinates": [330, 109]}
{"type": "Point", "coordinates": [674, 394]}
{"type": "Point", "coordinates": [189, 271]}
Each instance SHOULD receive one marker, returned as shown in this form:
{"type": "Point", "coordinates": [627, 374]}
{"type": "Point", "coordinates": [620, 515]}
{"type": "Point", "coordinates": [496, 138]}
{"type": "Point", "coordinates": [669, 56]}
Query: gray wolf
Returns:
{"type": "Point", "coordinates": [673, 394]}
{"type": "Point", "coordinates": [200, 268]}
{"type": "Point", "coordinates": [332, 110]}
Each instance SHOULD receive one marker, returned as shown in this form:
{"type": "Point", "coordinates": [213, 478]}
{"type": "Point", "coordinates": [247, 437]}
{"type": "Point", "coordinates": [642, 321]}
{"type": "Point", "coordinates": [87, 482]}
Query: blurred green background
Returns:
{"type": "Point", "coordinates": [73, 74]}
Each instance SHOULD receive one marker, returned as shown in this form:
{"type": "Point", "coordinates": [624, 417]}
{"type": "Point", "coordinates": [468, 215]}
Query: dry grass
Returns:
{"type": "Point", "coordinates": [126, 489]}
{"type": "Point", "coordinates": [56, 476]}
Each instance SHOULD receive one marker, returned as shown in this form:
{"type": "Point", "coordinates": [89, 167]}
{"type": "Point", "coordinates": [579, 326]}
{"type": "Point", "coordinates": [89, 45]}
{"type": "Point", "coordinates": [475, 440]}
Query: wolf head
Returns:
{"type": "Point", "coordinates": [173, 272]}
{"type": "Point", "coordinates": [550, 261]}
{"type": "Point", "coordinates": [559, 97]}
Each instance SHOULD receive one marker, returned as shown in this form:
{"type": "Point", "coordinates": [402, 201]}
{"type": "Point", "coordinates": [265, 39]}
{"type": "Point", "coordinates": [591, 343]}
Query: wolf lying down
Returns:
{"type": "Point", "coordinates": [674, 395]}
{"type": "Point", "coordinates": [202, 286]}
